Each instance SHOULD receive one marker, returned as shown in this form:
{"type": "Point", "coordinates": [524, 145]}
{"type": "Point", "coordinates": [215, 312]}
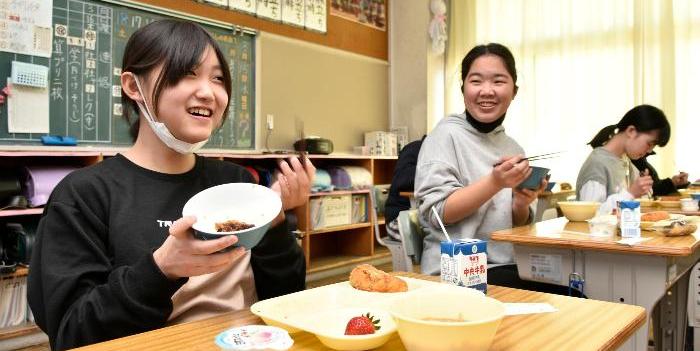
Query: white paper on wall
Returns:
{"type": "Point", "coordinates": [27, 109]}
{"type": "Point", "coordinates": [248, 6]}
{"type": "Point", "coordinates": [25, 27]}
{"type": "Point", "coordinates": [293, 12]}
{"type": "Point", "coordinates": [269, 9]}
{"type": "Point", "coordinates": [315, 16]}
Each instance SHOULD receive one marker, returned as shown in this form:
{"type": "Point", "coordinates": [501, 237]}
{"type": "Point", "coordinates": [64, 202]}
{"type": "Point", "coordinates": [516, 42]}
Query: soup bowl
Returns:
{"type": "Point", "coordinates": [450, 318]}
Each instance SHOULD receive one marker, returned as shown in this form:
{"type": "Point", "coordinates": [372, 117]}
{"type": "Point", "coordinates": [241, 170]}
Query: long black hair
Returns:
{"type": "Point", "coordinates": [644, 118]}
{"type": "Point", "coordinates": [178, 46]}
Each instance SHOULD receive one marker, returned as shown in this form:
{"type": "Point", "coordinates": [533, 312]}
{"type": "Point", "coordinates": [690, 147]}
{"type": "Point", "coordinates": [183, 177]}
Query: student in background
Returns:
{"type": "Point", "coordinates": [403, 180]}
{"type": "Point", "coordinates": [456, 172]}
{"type": "Point", "coordinates": [107, 263]}
{"type": "Point", "coordinates": [607, 175]}
{"type": "Point", "coordinates": [664, 186]}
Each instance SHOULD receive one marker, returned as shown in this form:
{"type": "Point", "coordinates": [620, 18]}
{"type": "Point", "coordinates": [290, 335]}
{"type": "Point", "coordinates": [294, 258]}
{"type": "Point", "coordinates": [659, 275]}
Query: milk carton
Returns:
{"type": "Point", "coordinates": [463, 263]}
{"type": "Point", "coordinates": [630, 216]}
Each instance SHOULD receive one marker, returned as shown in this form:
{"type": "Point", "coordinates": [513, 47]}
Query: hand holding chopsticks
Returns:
{"type": "Point", "coordinates": [510, 172]}
{"type": "Point", "coordinates": [642, 185]}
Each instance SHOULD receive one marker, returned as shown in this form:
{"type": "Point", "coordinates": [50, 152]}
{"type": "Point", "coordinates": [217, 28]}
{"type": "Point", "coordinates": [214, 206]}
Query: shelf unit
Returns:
{"type": "Point", "coordinates": [325, 248]}
{"type": "Point", "coordinates": [354, 241]}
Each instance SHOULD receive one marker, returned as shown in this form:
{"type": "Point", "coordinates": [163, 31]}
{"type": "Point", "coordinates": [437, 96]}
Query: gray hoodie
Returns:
{"type": "Point", "coordinates": [453, 156]}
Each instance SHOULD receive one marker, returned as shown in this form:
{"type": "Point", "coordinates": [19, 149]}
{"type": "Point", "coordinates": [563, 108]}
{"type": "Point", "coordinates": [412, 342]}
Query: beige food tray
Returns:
{"type": "Point", "coordinates": [292, 311]}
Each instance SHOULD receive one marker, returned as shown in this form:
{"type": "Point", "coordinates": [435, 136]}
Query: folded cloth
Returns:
{"type": "Point", "coordinates": [340, 178]}
{"type": "Point", "coordinates": [322, 181]}
{"type": "Point", "coordinates": [40, 181]}
{"type": "Point", "coordinates": [360, 178]}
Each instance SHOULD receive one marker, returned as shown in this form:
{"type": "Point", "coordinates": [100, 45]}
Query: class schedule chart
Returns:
{"type": "Point", "coordinates": [83, 84]}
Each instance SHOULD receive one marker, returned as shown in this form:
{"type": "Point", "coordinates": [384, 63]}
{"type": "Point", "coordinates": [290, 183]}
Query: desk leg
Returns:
{"type": "Point", "coordinates": [633, 279]}
{"type": "Point", "coordinates": [671, 314]}
{"type": "Point", "coordinates": [643, 280]}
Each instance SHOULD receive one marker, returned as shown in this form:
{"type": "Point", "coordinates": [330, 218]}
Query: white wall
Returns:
{"type": "Point", "coordinates": [416, 76]}
{"type": "Point", "coordinates": [338, 95]}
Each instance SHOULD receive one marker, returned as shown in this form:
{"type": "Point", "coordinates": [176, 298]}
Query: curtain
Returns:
{"type": "Point", "coordinates": [581, 65]}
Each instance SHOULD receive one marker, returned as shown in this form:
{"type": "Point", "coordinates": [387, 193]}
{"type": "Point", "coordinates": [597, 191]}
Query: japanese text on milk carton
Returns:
{"type": "Point", "coordinates": [463, 263]}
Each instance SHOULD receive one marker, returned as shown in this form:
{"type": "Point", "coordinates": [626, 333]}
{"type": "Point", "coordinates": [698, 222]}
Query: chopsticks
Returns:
{"type": "Point", "coordinates": [649, 193]}
{"type": "Point", "coordinates": [302, 137]}
{"type": "Point", "coordinates": [536, 157]}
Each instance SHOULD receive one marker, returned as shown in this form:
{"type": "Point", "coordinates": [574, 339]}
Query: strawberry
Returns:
{"type": "Point", "coordinates": [362, 325]}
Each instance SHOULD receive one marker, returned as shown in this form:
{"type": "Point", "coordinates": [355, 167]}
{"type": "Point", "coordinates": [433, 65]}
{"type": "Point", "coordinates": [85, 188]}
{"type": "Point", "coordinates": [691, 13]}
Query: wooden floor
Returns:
{"type": "Point", "coordinates": [320, 282]}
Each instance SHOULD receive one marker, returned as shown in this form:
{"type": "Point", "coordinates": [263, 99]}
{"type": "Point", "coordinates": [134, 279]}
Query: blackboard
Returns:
{"type": "Point", "coordinates": [84, 85]}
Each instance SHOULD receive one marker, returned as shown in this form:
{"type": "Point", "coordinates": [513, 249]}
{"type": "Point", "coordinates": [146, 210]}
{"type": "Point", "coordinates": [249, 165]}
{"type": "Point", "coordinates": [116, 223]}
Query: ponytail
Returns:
{"type": "Point", "coordinates": [603, 136]}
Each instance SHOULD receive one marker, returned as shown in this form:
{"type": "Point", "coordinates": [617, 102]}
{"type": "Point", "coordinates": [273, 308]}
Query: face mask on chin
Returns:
{"type": "Point", "coordinates": [162, 131]}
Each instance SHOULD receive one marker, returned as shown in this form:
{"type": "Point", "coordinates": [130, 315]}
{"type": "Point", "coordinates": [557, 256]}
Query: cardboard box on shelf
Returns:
{"type": "Point", "coordinates": [381, 143]}
{"type": "Point", "coordinates": [401, 137]}
{"type": "Point", "coordinates": [330, 211]}
{"type": "Point", "coordinates": [359, 208]}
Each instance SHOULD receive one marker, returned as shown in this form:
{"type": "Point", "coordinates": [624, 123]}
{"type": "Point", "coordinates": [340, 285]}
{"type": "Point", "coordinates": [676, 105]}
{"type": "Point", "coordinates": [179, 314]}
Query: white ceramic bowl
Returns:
{"type": "Point", "coordinates": [578, 211]}
{"type": "Point", "coordinates": [440, 319]}
{"type": "Point", "coordinates": [250, 203]}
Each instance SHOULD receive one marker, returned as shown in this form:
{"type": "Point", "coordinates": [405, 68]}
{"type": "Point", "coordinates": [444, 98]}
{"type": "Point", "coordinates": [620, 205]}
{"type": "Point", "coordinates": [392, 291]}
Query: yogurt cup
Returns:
{"type": "Point", "coordinates": [254, 337]}
{"type": "Point", "coordinates": [603, 226]}
{"type": "Point", "coordinates": [689, 204]}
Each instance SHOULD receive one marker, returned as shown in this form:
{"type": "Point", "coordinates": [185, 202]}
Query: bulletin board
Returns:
{"type": "Point", "coordinates": [84, 90]}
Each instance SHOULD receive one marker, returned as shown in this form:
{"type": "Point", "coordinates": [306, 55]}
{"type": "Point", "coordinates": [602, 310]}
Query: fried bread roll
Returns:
{"type": "Point", "coordinates": [655, 216]}
{"type": "Point", "coordinates": [367, 277]}
{"type": "Point", "coordinates": [678, 230]}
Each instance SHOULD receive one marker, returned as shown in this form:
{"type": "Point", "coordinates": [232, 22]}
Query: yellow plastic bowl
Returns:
{"type": "Point", "coordinates": [440, 319]}
{"type": "Point", "coordinates": [578, 211]}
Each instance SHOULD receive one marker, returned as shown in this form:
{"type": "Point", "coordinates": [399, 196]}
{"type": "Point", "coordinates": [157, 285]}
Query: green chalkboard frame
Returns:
{"type": "Point", "coordinates": [84, 89]}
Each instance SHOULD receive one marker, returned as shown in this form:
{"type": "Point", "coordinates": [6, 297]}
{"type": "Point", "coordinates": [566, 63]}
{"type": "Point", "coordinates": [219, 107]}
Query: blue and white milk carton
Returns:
{"type": "Point", "coordinates": [463, 263]}
{"type": "Point", "coordinates": [630, 216]}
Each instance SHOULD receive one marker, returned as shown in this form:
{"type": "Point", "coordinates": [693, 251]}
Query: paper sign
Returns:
{"type": "Point", "coordinates": [545, 268]}
{"type": "Point", "coordinates": [25, 27]}
{"type": "Point", "coordinates": [22, 118]}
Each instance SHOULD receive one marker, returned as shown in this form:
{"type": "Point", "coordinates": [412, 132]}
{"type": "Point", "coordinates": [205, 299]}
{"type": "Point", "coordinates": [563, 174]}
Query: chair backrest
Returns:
{"type": "Point", "coordinates": [400, 261]}
{"type": "Point", "coordinates": [411, 234]}
{"type": "Point", "coordinates": [376, 193]}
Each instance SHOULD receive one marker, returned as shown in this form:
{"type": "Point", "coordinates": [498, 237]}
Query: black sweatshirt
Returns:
{"type": "Point", "coordinates": [92, 275]}
{"type": "Point", "coordinates": [403, 180]}
{"type": "Point", "coordinates": [661, 186]}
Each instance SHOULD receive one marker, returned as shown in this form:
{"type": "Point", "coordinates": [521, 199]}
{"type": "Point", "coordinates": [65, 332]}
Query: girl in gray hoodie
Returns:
{"type": "Point", "coordinates": [469, 169]}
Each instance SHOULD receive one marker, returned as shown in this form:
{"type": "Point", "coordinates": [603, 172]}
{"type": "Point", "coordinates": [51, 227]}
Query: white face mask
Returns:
{"type": "Point", "coordinates": [162, 131]}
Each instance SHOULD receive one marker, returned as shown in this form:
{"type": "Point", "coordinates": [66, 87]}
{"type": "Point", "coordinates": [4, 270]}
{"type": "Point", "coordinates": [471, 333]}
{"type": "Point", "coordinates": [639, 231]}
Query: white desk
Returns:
{"type": "Point", "coordinates": [645, 274]}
